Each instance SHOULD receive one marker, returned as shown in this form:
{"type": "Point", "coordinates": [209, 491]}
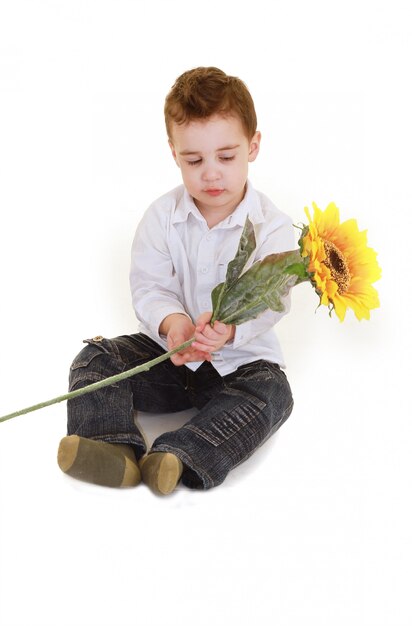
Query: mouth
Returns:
{"type": "Point", "coordinates": [214, 192]}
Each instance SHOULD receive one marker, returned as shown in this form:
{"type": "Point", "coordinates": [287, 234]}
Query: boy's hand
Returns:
{"type": "Point", "coordinates": [211, 338]}
{"type": "Point", "coordinates": [179, 328]}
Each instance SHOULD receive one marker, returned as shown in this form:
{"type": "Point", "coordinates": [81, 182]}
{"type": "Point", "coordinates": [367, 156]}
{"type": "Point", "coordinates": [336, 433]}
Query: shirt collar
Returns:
{"type": "Point", "coordinates": [250, 205]}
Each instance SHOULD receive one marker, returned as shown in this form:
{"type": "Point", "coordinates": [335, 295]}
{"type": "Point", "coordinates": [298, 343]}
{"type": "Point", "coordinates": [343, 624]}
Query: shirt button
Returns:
{"type": "Point", "coordinates": [204, 269]}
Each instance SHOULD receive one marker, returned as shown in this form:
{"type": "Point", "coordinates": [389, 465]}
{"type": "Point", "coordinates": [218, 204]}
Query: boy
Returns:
{"type": "Point", "coordinates": [183, 244]}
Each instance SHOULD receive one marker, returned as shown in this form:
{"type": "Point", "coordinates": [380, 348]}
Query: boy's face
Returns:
{"type": "Point", "coordinates": [213, 156]}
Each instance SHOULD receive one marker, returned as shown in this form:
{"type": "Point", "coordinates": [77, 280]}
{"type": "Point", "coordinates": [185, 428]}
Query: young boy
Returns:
{"type": "Point", "coordinates": [183, 244]}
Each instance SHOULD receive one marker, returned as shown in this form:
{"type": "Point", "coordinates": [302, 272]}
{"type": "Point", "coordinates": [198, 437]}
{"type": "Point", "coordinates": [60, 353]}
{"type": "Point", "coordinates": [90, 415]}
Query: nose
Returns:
{"type": "Point", "coordinates": [210, 172]}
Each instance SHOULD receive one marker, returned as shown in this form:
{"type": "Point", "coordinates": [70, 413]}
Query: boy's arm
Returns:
{"type": "Point", "coordinates": [157, 294]}
{"type": "Point", "coordinates": [156, 291]}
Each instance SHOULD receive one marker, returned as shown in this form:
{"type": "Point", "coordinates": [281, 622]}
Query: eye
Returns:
{"type": "Point", "coordinates": [227, 158]}
{"type": "Point", "coordinates": [194, 162]}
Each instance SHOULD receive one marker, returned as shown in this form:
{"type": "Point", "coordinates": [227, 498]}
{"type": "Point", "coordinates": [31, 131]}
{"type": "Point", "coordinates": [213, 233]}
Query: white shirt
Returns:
{"type": "Point", "coordinates": [177, 261]}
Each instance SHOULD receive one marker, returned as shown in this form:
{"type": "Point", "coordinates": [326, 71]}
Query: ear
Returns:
{"type": "Point", "coordinates": [172, 148]}
{"type": "Point", "coordinates": [254, 146]}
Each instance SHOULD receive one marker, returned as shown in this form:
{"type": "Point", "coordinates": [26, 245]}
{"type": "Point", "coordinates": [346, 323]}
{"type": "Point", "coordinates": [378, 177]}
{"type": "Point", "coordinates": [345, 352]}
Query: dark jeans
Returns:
{"type": "Point", "coordinates": [237, 412]}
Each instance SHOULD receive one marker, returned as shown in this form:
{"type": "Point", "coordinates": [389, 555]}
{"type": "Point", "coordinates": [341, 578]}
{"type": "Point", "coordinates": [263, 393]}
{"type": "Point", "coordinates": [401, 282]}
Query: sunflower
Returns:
{"type": "Point", "coordinates": [341, 265]}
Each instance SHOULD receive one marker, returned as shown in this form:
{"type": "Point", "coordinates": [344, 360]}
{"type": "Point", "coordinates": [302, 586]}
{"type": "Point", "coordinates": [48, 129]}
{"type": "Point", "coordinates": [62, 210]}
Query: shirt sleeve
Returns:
{"type": "Point", "coordinates": [279, 238]}
{"type": "Point", "coordinates": [155, 288]}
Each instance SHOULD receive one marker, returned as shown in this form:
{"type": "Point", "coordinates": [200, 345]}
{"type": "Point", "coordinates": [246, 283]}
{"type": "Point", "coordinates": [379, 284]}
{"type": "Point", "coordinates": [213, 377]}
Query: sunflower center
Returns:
{"type": "Point", "coordinates": [337, 265]}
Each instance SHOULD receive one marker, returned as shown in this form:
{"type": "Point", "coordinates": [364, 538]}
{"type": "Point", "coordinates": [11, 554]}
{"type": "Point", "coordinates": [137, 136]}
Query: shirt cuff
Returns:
{"type": "Point", "coordinates": [159, 313]}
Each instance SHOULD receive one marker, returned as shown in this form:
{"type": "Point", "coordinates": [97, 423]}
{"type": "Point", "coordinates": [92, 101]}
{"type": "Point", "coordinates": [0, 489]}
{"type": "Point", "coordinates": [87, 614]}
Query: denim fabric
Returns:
{"type": "Point", "coordinates": [236, 413]}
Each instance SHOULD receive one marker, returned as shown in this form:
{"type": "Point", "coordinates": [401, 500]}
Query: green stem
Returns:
{"type": "Point", "coordinates": [102, 383]}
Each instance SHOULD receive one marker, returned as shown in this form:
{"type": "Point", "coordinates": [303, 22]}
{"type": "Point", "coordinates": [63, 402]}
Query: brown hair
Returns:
{"type": "Point", "coordinates": [204, 91]}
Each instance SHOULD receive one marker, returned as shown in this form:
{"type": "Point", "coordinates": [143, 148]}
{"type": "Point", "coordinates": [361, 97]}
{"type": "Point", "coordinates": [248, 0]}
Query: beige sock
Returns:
{"type": "Point", "coordinates": [161, 471]}
{"type": "Point", "coordinates": [98, 462]}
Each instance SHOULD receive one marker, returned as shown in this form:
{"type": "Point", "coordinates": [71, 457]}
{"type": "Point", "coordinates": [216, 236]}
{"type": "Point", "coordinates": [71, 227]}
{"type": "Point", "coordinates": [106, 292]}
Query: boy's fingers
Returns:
{"type": "Point", "coordinates": [203, 319]}
{"type": "Point", "coordinates": [189, 355]}
{"type": "Point", "coordinates": [175, 340]}
{"type": "Point", "coordinates": [220, 328]}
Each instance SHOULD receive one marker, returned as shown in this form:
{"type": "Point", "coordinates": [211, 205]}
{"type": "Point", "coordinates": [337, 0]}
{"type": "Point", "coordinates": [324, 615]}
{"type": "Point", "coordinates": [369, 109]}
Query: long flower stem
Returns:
{"type": "Point", "coordinates": [101, 383]}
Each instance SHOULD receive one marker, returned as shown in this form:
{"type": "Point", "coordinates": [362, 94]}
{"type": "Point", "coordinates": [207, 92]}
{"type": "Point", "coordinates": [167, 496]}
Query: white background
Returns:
{"type": "Point", "coordinates": [316, 527]}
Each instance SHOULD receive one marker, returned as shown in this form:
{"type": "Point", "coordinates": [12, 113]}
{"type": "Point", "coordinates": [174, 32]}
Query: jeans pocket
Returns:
{"type": "Point", "coordinates": [260, 370]}
{"type": "Point", "coordinates": [84, 368]}
{"type": "Point", "coordinates": [230, 421]}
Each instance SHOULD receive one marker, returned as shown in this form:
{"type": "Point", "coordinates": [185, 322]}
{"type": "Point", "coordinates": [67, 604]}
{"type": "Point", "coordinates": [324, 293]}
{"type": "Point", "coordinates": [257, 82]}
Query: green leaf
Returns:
{"type": "Point", "coordinates": [247, 245]}
{"type": "Point", "coordinates": [262, 287]}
